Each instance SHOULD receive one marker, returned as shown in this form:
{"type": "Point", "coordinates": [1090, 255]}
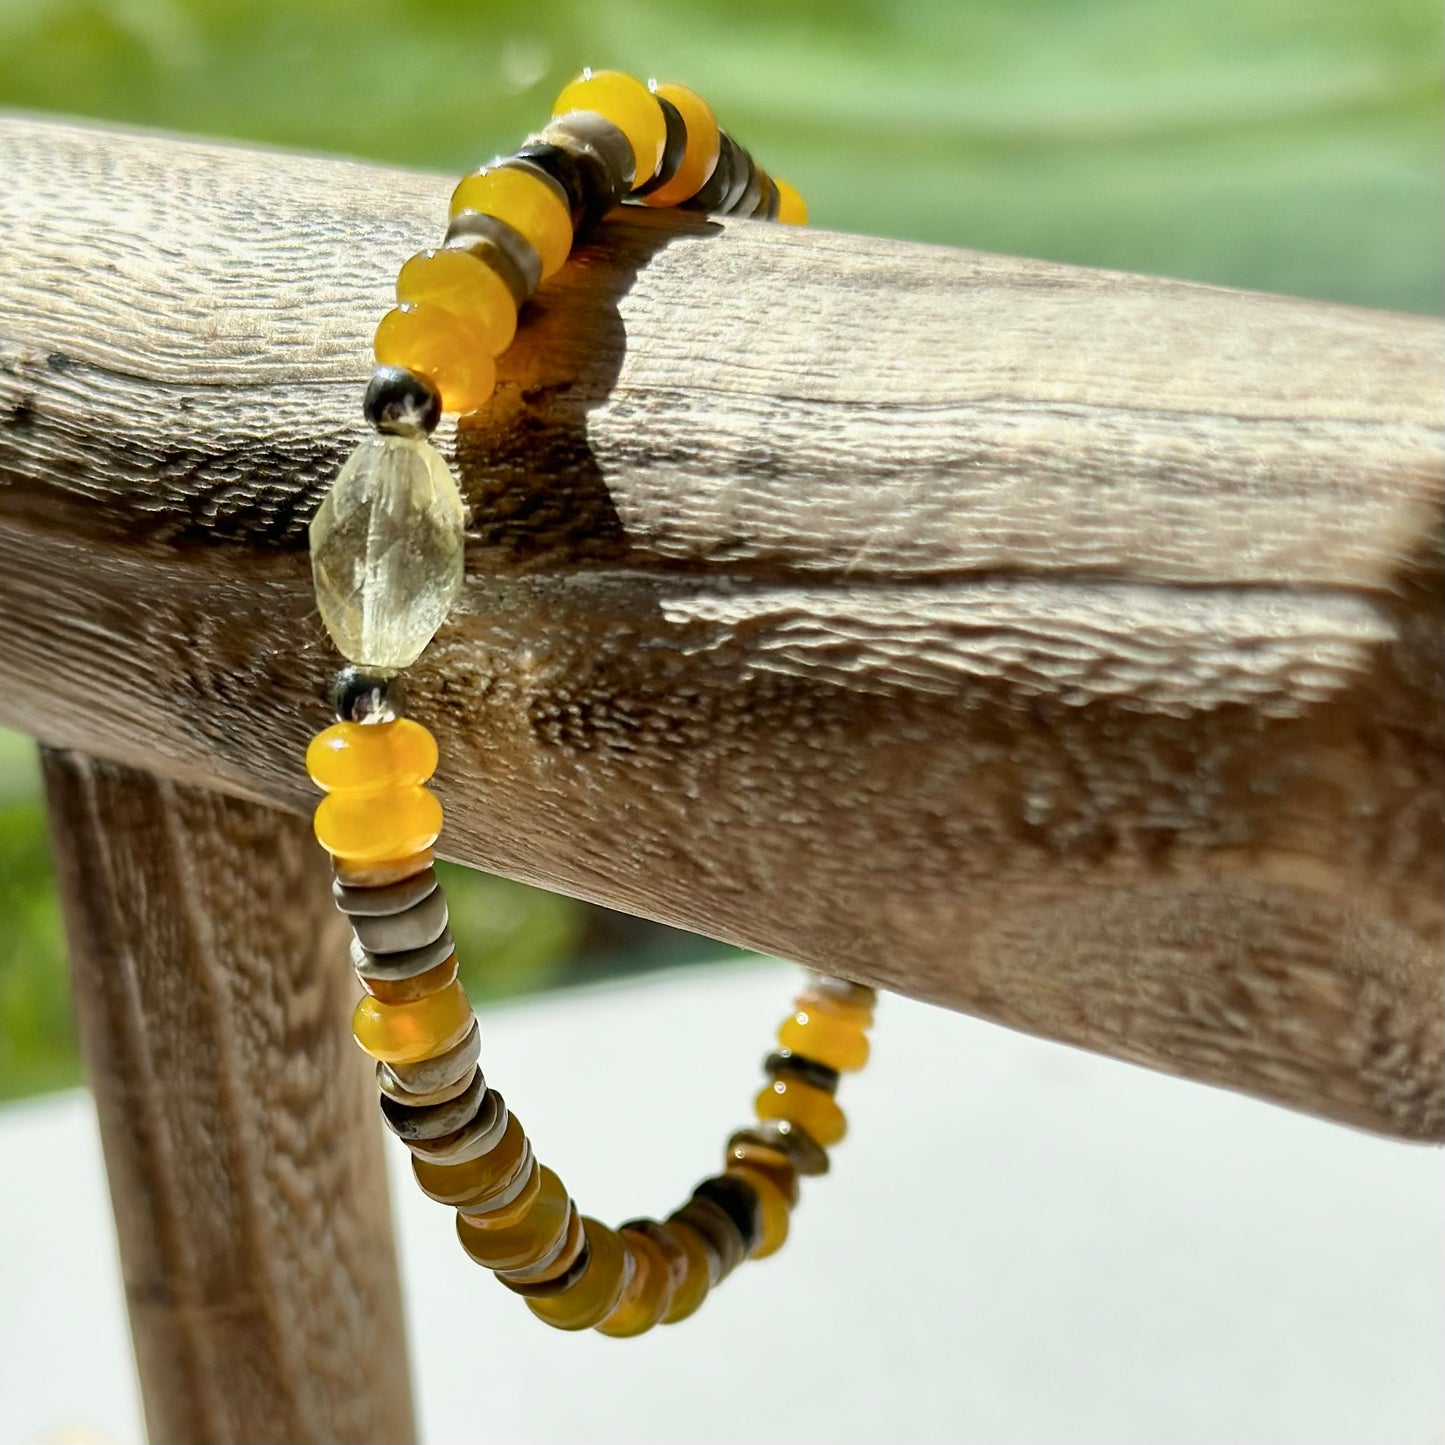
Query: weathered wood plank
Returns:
{"type": "Point", "coordinates": [238, 1118]}
{"type": "Point", "coordinates": [1057, 645]}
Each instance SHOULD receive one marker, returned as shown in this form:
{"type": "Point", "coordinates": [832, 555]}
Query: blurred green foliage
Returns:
{"type": "Point", "coordinates": [1291, 145]}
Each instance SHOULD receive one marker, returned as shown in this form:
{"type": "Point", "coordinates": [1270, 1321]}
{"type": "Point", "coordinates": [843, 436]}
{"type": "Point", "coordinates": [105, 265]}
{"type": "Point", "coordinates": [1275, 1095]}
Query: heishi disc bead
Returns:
{"type": "Point", "coordinates": [422, 1098]}
{"type": "Point", "coordinates": [774, 1163]}
{"type": "Point", "coordinates": [533, 205]}
{"type": "Point", "coordinates": [773, 1210]}
{"type": "Point", "coordinates": [451, 351]}
{"type": "Point", "coordinates": [479, 1136]}
{"type": "Point", "coordinates": [558, 1271]}
{"type": "Point", "coordinates": [371, 757]}
{"type": "Point", "coordinates": [405, 1032]}
{"type": "Point", "coordinates": [726, 1247]}
{"type": "Point", "coordinates": [804, 1152]}
{"type": "Point", "coordinates": [409, 990]}
{"type": "Point", "coordinates": [525, 1238]}
{"type": "Point", "coordinates": [792, 209]}
{"type": "Point", "coordinates": [374, 825]}
{"type": "Point", "coordinates": [426, 1076]}
{"type": "Point", "coordinates": [701, 154]}
{"type": "Point", "coordinates": [405, 931]}
{"type": "Point", "coordinates": [513, 1204]}
{"type": "Point", "coordinates": [388, 898]}
{"type": "Point", "coordinates": [648, 1292]}
{"type": "Point", "coordinates": [805, 1106]}
{"type": "Point", "coordinates": [829, 1038]}
{"type": "Point", "coordinates": [386, 552]}
{"type": "Point", "coordinates": [596, 1293]}
{"type": "Point", "coordinates": [629, 105]}
{"type": "Point", "coordinates": [476, 1180]}
{"type": "Point", "coordinates": [432, 1121]}
{"type": "Point", "coordinates": [465, 285]}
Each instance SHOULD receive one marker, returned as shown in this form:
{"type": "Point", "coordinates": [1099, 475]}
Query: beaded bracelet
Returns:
{"type": "Point", "coordinates": [387, 555]}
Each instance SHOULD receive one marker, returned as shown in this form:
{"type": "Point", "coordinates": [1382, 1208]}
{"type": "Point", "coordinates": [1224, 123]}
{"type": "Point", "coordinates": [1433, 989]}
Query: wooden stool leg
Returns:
{"type": "Point", "coordinates": [240, 1131]}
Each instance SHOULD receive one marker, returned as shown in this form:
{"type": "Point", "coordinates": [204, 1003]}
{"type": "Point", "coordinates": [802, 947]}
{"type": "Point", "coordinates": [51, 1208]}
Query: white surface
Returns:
{"type": "Point", "coordinates": [1017, 1243]}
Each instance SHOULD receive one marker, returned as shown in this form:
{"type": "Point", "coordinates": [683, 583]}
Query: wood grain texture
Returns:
{"type": "Point", "coordinates": [238, 1117]}
{"type": "Point", "coordinates": [1057, 645]}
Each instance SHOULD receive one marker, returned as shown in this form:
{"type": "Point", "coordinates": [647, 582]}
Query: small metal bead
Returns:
{"type": "Point", "coordinates": [364, 697]}
{"type": "Point", "coordinates": [429, 1075]}
{"type": "Point", "coordinates": [390, 898]}
{"type": "Point", "coordinates": [402, 403]}
{"type": "Point", "coordinates": [393, 967]}
{"type": "Point", "coordinates": [413, 928]}
{"type": "Point", "coordinates": [585, 130]}
{"type": "Point", "coordinates": [722, 1237]}
{"type": "Point", "coordinates": [672, 151]}
{"type": "Point", "coordinates": [592, 189]}
{"type": "Point", "coordinates": [808, 1156]}
{"type": "Point", "coordinates": [504, 248]}
{"type": "Point", "coordinates": [480, 1135]}
{"type": "Point", "coordinates": [431, 1121]}
{"type": "Point", "coordinates": [715, 189]}
{"type": "Point", "coordinates": [747, 189]}
{"type": "Point", "coordinates": [738, 1199]}
{"type": "Point", "coordinates": [767, 208]}
{"type": "Point", "coordinates": [797, 1066]}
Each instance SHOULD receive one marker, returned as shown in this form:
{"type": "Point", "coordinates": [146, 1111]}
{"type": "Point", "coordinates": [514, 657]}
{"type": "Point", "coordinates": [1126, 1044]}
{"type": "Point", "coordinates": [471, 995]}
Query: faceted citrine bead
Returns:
{"type": "Point", "coordinates": [451, 351]}
{"type": "Point", "coordinates": [703, 144]}
{"type": "Point", "coordinates": [596, 1294]}
{"type": "Point", "coordinates": [648, 1292]}
{"type": "Point", "coordinates": [371, 826]}
{"type": "Point", "coordinates": [830, 1037]}
{"type": "Point", "coordinates": [689, 1294]}
{"type": "Point", "coordinates": [371, 756]}
{"type": "Point", "coordinates": [410, 990]}
{"type": "Point", "coordinates": [773, 1209]}
{"type": "Point", "coordinates": [459, 282]}
{"type": "Point", "coordinates": [404, 1033]}
{"type": "Point", "coordinates": [791, 207]}
{"type": "Point", "coordinates": [629, 105]}
{"type": "Point", "coordinates": [811, 1109]}
{"type": "Point", "coordinates": [527, 203]}
{"type": "Point", "coordinates": [521, 1242]}
{"type": "Point", "coordinates": [473, 1181]}
{"type": "Point", "coordinates": [386, 551]}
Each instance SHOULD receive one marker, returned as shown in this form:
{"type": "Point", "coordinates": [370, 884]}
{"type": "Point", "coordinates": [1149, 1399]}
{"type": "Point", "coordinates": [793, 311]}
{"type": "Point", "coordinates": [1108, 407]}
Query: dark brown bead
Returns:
{"type": "Point", "coordinates": [715, 189]}
{"type": "Point", "coordinates": [717, 1230]}
{"type": "Point", "coordinates": [399, 401]}
{"type": "Point", "coordinates": [550, 1288]}
{"type": "Point", "coordinates": [364, 697]}
{"type": "Point", "coordinates": [767, 208]}
{"type": "Point", "coordinates": [589, 184]}
{"type": "Point", "coordinates": [432, 1121]}
{"type": "Point", "coordinates": [672, 151]}
{"type": "Point", "coordinates": [747, 189]}
{"type": "Point", "coordinates": [504, 248]}
{"type": "Point", "coordinates": [797, 1066]}
{"type": "Point", "coordinates": [808, 1156]}
{"type": "Point", "coordinates": [740, 1202]}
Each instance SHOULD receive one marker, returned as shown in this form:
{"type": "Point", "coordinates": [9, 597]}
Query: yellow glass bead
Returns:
{"type": "Point", "coordinates": [450, 351]}
{"type": "Point", "coordinates": [409, 990]}
{"type": "Point", "coordinates": [703, 143]}
{"type": "Point", "coordinates": [527, 203]}
{"type": "Point", "coordinates": [371, 757]}
{"type": "Point", "coordinates": [471, 1182]}
{"type": "Point", "coordinates": [630, 106]}
{"type": "Point", "coordinates": [813, 1110]}
{"type": "Point", "coordinates": [792, 209]}
{"type": "Point", "coordinates": [595, 1295]}
{"type": "Point", "coordinates": [648, 1292]}
{"type": "Point", "coordinates": [465, 285]}
{"type": "Point", "coordinates": [840, 1043]}
{"type": "Point", "coordinates": [405, 1033]}
{"type": "Point", "coordinates": [370, 826]}
{"type": "Point", "coordinates": [690, 1293]}
{"type": "Point", "coordinates": [524, 1240]}
{"type": "Point", "coordinates": [773, 1209]}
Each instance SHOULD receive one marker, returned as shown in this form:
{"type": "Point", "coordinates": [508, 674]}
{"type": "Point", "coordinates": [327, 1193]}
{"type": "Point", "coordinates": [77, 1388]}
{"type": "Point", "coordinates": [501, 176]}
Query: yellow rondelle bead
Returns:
{"type": "Point", "coordinates": [648, 1292]}
{"type": "Point", "coordinates": [474, 1180]}
{"type": "Point", "coordinates": [595, 1295]}
{"type": "Point", "coordinates": [525, 1237]}
{"type": "Point", "coordinates": [813, 1110]}
{"type": "Point", "coordinates": [688, 1295]}
{"type": "Point", "coordinates": [773, 1210]}
{"type": "Point", "coordinates": [703, 144]}
{"type": "Point", "coordinates": [405, 1033]}
{"type": "Point", "coordinates": [630, 106]}
{"type": "Point", "coordinates": [451, 352]}
{"type": "Point", "coordinates": [792, 209]}
{"type": "Point", "coordinates": [371, 757]}
{"type": "Point", "coordinates": [527, 203]}
{"type": "Point", "coordinates": [374, 825]}
{"type": "Point", "coordinates": [466, 286]}
{"type": "Point", "coordinates": [837, 1042]}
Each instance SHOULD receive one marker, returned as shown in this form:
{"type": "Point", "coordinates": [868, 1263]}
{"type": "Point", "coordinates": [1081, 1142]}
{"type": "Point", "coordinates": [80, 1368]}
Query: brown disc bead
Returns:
{"type": "Point", "coordinates": [717, 1230]}
{"type": "Point", "coordinates": [477, 1138]}
{"type": "Point", "coordinates": [738, 1200]}
{"type": "Point", "coordinates": [434, 1121]}
{"type": "Point", "coordinates": [773, 1163]}
{"type": "Point", "coordinates": [808, 1156]}
{"type": "Point", "coordinates": [798, 1066]}
{"type": "Point", "coordinates": [596, 1293]}
{"type": "Point", "coordinates": [476, 1180]}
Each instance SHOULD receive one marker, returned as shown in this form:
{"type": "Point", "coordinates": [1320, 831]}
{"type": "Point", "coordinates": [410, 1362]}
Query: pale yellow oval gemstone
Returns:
{"type": "Point", "coordinates": [386, 551]}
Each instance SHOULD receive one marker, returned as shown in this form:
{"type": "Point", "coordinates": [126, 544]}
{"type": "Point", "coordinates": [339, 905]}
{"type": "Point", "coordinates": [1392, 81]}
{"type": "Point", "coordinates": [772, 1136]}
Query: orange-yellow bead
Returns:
{"type": "Point", "coordinates": [690, 1293]}
{"type": "Point", "coordinates": [453, 353]}
{"type": "Point", "coordinates": [472, 1181]}
{"type": "Point", "coordinates": [405, 1033]}
{"type": "Point", "coordinates": [595, 1295]}
{"type": "Point", "coordinates": [648, 1292]}
{"type": "Point", "coordinates": [371, 756]}
{"type": "Point", "coordinates": [773, 1210]}
{"type": "Point", "coordinates": [419, 986]}
{"type": "Point", "coordinates": [524, 1240]}
{"type": "Point", "coordinates": [371, 826]}
{"type": "Point", "coordinates": [464, 285]}
{"type": "Point", "coordinates": [830, 1038]}
{"type": "Point", "coordinates": [630, 106]}
{"type": "Point", "coordinates": [701, 153]}
{"type": "Point", "coordinates": [792, 209]}
{"type": "Point", "coordinates": [527, 203]}
{"type": "Point", "coordinates": [813, 1110]}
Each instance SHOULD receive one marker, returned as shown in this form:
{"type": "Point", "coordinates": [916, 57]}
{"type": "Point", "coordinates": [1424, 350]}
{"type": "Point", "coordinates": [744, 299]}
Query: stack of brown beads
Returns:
{"type": "Point", "coordinates": [379, 822]}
